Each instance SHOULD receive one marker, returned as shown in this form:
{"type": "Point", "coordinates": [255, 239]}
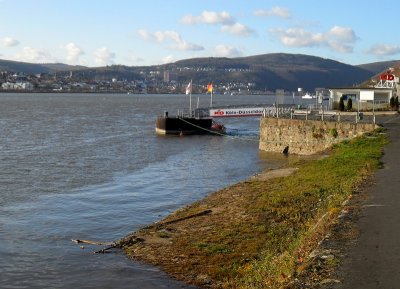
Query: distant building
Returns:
{"type": "Point", "coordinates": [7, 85]}
{"type": "Point", "coordinates": [166, 76]}
{"type": "Point", "coordinates": [17, 86]}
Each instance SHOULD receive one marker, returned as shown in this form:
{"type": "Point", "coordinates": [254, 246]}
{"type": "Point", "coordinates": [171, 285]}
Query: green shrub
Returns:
{"type": "Point", "coordinates": [349, 105]}
{"type": "Point", "coordinates": [341, 104]}
{"type": "Point", "coordinates": [333, 132]}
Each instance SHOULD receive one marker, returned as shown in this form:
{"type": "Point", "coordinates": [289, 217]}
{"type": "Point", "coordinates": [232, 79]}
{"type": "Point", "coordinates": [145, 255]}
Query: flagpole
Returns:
{"type": "Point", "coordinates": [210, 90]}
{"type": "Point", "coordinates": [190, 99]}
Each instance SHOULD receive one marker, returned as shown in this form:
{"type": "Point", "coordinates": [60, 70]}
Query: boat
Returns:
{"type": "Point", "coordinates": [307, 96]}
{"type": "Point", "coordinates": [192, 123]}
{"type": "Point", "coordinates": [218, 127]}
{"type": "Point", "coordinates": [186, 125]}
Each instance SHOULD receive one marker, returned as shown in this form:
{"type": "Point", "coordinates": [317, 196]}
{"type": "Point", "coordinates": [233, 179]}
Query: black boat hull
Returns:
{"type": "Point", "coordinates": [183, 125]}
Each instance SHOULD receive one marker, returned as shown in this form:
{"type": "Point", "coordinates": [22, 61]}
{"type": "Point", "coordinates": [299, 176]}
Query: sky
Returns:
{"type": "Point", "coordinates": [151, 32]}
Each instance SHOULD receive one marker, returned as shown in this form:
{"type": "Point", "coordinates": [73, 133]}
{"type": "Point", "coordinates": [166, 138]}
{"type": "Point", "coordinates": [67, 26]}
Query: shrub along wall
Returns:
{"type": "Point", "coordinates": [306, 136]}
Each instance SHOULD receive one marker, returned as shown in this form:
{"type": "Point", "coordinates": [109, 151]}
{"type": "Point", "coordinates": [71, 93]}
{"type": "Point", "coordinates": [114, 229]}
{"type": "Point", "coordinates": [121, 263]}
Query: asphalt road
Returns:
{"type": "Point", "coordinates": [374, 261]}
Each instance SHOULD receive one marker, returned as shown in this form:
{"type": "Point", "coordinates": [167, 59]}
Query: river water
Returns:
{"type": "Point", "coordinates": [90, 166]}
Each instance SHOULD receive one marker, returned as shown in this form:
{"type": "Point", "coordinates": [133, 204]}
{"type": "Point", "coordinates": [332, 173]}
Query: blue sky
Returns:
{"type": "Point", "coordinates": [136, 33]}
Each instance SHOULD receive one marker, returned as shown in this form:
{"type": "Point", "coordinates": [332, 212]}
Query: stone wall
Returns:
{"type": "Point", "coordinates": [306, 136]}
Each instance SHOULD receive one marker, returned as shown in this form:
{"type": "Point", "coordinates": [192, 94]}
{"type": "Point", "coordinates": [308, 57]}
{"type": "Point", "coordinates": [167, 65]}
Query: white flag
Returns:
{"type": "Point", "coordinates": [189, 88]}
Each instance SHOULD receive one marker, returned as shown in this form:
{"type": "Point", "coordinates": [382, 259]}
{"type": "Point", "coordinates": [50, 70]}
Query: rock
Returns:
{"type": "Point", "coordinates": [327, 281]}
{"type": "Point", "coordinates": [204, 279]}
{"type": "Point", "coordinates": [286, 150]}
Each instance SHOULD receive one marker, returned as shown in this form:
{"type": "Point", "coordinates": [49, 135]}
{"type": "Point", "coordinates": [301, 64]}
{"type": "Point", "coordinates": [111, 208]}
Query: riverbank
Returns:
{"type": "Point", "coordinates": [259, 233]}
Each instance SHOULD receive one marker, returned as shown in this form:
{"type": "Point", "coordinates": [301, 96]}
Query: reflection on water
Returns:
{"type": "Point", "coordinates": [91, 167]}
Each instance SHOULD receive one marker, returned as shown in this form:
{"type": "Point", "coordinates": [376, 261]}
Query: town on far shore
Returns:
{"type": "Point", "coordinates": [150, 82]}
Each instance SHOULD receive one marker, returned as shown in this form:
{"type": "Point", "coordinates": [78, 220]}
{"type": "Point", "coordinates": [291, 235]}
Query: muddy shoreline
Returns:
{"type": "Point", "coordinates": [278, 218]}
{"type": "Point", "coordinates": [160, 244]}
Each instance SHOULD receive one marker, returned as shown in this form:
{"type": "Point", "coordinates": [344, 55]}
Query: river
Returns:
{"type": "Point", "coordinates": [90, 166]}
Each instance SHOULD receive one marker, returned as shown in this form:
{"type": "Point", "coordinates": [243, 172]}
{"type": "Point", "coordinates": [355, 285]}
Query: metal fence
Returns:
{"type": "Point", "coordinates": [311, 113]}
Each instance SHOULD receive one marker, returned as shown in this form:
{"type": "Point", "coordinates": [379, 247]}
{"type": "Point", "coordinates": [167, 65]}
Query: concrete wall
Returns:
{"type": "Point", "coordinates": [306, 136]}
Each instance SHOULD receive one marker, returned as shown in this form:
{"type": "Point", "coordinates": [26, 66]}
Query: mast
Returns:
{"type": "Point", "coordinates": [210, 90]}
{"type": "Point", "coordinates": [189, 91]}
{"type": "Point", "coordinates": [211, 98]}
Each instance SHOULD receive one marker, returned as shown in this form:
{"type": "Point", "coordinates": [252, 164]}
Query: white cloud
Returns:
{"type": "Point", "coordinates": [168, 59]}
{"type": "Point", "coordinates": [178, 43]}
{"type": "Point", "coordinates": [296, 37]}
{"type": "Point", "coordinates": [209, 17]}
{"type": "Point", "coordinates": [237, 29]}
{"type": "Point", "coordinates": [228, 23]}
{"type": "Point", "coordinates": [338, 38]}
{"type": "Point", "coordinates": [280, 12]}
{"type": "Point", "coordinates": [73, 53]}
{"type": "Point", "coordinates": [147, 35]}
{"type": "Point", "coordinates": [8, 42]}
{"type": "Point", "coordinates": [342, 34]}
{"type": "Point", "coordinates": [384, 49]}
{"type": "Point", "coordinates": [103, 56]}
{"type": "Point", "coordinates": [227, 51]}
{"type": "Point", "coordinates": [29, 54]}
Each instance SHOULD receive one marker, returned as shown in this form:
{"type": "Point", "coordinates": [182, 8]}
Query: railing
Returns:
{"type": "Point", "coordinates": [311, 112]}
{"type": "Point", "coordinates": [335, 116]}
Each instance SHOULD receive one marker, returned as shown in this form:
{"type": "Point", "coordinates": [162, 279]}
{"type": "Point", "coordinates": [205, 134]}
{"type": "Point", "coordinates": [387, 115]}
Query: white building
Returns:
{"type": "Point", "coordinates": [17, 86]}
{"type": "Point", "coordinates": [365, 97]}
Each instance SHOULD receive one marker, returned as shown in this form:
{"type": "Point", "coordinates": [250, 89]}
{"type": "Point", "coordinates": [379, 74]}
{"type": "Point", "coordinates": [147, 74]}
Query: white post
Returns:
{"type": "Point", "coordinates": [373, 108]}
{"type": "Point", "coordinates": [190, 97]}
{"type": "Point", "coordinates": [190, 103]}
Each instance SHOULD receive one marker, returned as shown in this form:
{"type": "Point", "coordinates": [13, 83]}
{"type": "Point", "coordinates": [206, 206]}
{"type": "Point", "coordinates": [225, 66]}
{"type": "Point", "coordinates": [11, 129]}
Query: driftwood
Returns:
{"type": "Point", "coordinates": [110, 245]}
{"type": "Point", "coordinates": [78, 241]}
{"type": "Point", "coordinates": [132, 239]}
{"type": "Point", "coordinates": [202, 213]}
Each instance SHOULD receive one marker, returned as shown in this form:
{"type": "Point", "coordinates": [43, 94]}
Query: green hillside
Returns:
{"type": "Point", "coordinates": [262, 72]}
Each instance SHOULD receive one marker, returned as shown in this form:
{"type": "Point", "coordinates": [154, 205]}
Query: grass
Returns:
{"type": "Point", "coordinates": [261, 231]}
{"type": "Point", "coordinates": [292, 207]}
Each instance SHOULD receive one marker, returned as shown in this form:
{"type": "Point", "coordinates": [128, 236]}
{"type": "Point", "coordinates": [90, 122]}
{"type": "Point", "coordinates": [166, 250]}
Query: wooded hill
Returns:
{"type": "Point", "coordinates": [263, 72]}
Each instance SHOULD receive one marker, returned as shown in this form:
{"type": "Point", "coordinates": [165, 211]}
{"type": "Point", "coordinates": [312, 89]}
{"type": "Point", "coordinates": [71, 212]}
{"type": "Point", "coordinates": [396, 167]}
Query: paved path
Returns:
{"type": "Point", "coordinates": [374, 262]}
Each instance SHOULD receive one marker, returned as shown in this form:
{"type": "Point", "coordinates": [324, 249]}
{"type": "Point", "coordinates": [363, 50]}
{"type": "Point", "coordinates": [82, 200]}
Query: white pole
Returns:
{"type": "Point", "coordinates": [190, 98]}
{"type": "Point", "coordinates": [373, 108]}
{"type": "Point", "coordinates": [211, 101]}
{"type": "Point", "coordinates": [190, 103]}
{"type": "Point", "coordinates": [358, 111]}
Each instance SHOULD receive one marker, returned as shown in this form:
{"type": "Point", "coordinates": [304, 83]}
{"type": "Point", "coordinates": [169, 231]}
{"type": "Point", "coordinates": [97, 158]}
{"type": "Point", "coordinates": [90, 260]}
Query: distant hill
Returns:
{"type": "Point", "coordinates": [62, 67]}
{"type": "Point", "coordinates": [264, 72]}
{"type": "Point", "coordinates": [29, 68]}
{"type": "Point", "coordinates": [378, 67]}
{"type": "Point", "coordinates": [33, 68]}
{"type": "Point", "coordinates": [280, 70]}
